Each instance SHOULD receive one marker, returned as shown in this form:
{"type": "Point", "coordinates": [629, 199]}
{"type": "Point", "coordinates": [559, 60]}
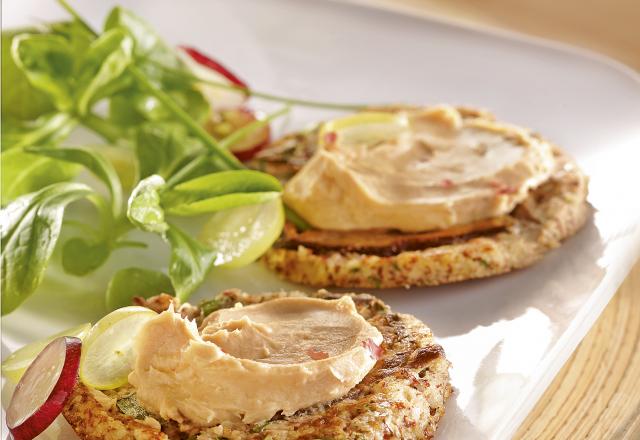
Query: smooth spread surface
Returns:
{"type": "Point", "coordinates": [247, 363]}
{"type": "Point", "coordinates": [441, 171]}
{"type": "Point", "coordinates": [509, 88]}
{"type": "Point", "coordinates": [604, 396]}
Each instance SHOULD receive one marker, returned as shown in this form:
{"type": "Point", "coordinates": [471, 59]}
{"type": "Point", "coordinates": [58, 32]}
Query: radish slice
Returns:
{"type": "Point", "coordinates": [212, 64]}
{"type": "Point", "coordinates": [225, 122]}
{"type": "Point", "coordinates": [15, 365]}
{"type": "Point", "coordinates": [208, 69]}
{"type": "Point", "coordinates": [44, 388]}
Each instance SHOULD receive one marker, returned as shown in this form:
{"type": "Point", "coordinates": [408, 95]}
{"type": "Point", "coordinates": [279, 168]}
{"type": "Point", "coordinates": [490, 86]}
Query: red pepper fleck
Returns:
{"type": "Point", "coordinates": [446, 183]}
{"type": "Point", "coordinates": [317, 355]}
{"type": "Point", "coordinates": [507, 190]}
{"type": "Point", "coordinates": [502, 188]}
{"type": "Point", "coordinates": [374, 349]}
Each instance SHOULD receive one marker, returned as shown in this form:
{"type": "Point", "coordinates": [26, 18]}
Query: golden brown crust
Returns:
{"type": "Point", "coordinates": [402, 397]}
{"type": "Point", "coordinates": [91, 419]}
{"type": "Point", "coordinates": [552, 212]}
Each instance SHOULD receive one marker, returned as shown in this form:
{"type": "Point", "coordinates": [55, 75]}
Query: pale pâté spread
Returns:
{"type": "Point", "coordinates": [436, 171]}
{"type": "Point", "coordinates": [247, 363]}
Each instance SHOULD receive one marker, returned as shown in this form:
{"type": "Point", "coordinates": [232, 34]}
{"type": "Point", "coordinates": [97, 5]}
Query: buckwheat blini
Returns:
{"type": "Point", "coordinates": [401, 396]}
{"type": "Point", "coordinates": [416, 197]}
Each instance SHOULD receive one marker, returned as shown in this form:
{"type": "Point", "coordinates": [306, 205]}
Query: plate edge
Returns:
{"type": "Point", "coordinates": [406, 10]}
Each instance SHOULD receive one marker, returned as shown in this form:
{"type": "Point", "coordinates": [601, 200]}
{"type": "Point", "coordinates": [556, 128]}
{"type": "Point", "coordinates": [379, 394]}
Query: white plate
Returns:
{"type": "Point", "coordinates": [508, 336]}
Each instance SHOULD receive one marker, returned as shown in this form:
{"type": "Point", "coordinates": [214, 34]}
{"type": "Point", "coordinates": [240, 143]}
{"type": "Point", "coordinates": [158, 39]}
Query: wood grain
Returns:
{"type": "Point", "coordinates": [611, 27]}
{"type": "Point", "coordinates": [596, 395]}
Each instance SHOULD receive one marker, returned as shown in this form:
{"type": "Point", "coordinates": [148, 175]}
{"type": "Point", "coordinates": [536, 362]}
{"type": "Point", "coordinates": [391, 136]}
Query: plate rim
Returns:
{"type": "Point", "coordinates": [599, 297]}
{"type": "Point", "coordinates": [592, 309]}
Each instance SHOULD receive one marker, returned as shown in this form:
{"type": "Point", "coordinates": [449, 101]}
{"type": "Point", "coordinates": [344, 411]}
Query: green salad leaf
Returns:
{"type": "Point", "coordinates": [23, 173]}
{"type": "Point", "coordinates": [47, 129]}
{"type": "Point", "coordinates": [94, 162]}
{"type": "Point", "coordinates": [47, 60]}
{"type": "Point", "coordinates": [75, 33]}
{"type": "Point", "coordinates": [54, 80]}
{"type": "Point", "coordinates": [81, 257]}
{"type": "Point", "coordinates": [190, 262]}
{"type": "Point", "coordinates": [101, 71]}
{"type": "Point", "coordinates": [151, 52]}
{"type": "Point", "coordinates": [144, 209]}
{"type": "Point", "coordinates": [19, 100]}
{"type": "Point", "coordinates": [29, 229]}
{"type": "Point", "coordinates": [148, 44]}
{"type": "Point", "coordinates": [219, 191]}
{"type": "Point", "coordinates": [161, 147]}
{"type": "Point", "coordinates": [221, 203]}
{"type": "Point", "coordinates": [136, 281]}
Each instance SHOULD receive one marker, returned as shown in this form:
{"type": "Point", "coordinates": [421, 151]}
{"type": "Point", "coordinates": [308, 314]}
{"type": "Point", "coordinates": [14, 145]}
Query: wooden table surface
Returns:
{"type": "Point", "coordinates": [596, 395]}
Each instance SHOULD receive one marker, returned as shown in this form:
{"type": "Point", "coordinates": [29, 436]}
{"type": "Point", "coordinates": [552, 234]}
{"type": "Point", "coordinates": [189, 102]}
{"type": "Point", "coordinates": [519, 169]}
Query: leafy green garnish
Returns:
{"type": "Point", "coordinates": [100, 74]}
{"type": "Point", "coordinates": [56, 79]}
{"type": "Point", "coordinates": [130, 406]}
{"type": "Point", "coordinates": [190, 262]}
{"type": "Point", "coordinates": [47, 129]}
{"type": "Point", "coordinates": [210, 306]}
{"type": "Point", "coordinates": [30, 226]}
{"type": "Point", "coordinates": [48, 62]}
{"type": "Point", "coordinates": [80, 257]}
{"type": "Point", "coordinates": [218, 191]}
{"type": "Point", "coordinates": [23, 173]}
{"type": "Point", "coordinates": [19, 100]}
{"type": "Point", "coordinates": [258, 427]}
{"type": "Point", "coordinates": [136, 281]}
{"type": "Point", "coordinates": [144, 209]}
{"type": "Point", "coordinates": [95, 163]}
{"type": "Point", "coordinates": [161, 147]}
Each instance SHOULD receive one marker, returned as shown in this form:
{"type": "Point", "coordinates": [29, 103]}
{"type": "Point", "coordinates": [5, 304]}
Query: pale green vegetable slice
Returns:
{"type": "Point", "coordinates": [241, 235]}
{"type": "Point", "coordinates": [368, 128]}
{"type": "Point", "coordinates": [15, 365]}
{"type": "Point", "coordinates": [107, 351]}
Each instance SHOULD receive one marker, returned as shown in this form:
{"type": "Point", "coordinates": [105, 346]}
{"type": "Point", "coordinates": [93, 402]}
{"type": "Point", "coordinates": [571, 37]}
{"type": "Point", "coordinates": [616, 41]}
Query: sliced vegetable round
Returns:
{"type": "Point", "coordinates": [225, 122]}
{"type": "Point", "coordinates": [15, 365]}
{"type": "Point", "coordinates": [107, 355]}
{"type": "Point", "coordinates": [208, 69]}
{"type": "Point", "coordinates": [368, 128]}
{"type": "Point", "coordinates": [44, 388]}
{"type": "Point", "coordinates": [241, 235]}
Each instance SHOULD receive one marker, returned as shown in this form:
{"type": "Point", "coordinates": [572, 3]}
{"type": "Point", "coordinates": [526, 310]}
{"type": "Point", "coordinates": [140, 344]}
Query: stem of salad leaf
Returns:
{"type": "Point", "coordinates": [295, 218]}
{"type": "Point", "coordinates": [263, 95]}
{"type": "Point", "coordinates": [130, 244]}
{"type": "Point", "coordinates": [195, 128]}
{"type": "Point", "coordinates": [102, 128]}
{"type": "Point", "coordinates": [67, 7]}
{"type": "Point", "coordinates": [200, 132]}
{"type": "Point", "coordinates": [183, 172]}
{"type": "Point", "coordinates": [225, 143]}
{"type": "Point", "coordinates": [245, 131]}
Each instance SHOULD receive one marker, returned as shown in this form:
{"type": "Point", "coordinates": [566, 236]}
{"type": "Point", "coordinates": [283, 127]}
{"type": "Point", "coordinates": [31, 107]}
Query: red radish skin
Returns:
{"type": "Point", "coordinates": [36, 423]}
{"type": "Point", "coordinates": [250, 146]}
{"type": "Point", "coordinates": [237, 118]}
{"type": "Point", "coordinates": [207, 61]}
{"type": "Point", "coordinates": [246, 155]}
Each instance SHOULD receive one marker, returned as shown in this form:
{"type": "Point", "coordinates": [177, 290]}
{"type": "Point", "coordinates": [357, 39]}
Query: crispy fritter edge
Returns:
{"type": "Point", "coordinates": [553, 212]}
{"type": "Point", "coordinates": [412, 365]}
